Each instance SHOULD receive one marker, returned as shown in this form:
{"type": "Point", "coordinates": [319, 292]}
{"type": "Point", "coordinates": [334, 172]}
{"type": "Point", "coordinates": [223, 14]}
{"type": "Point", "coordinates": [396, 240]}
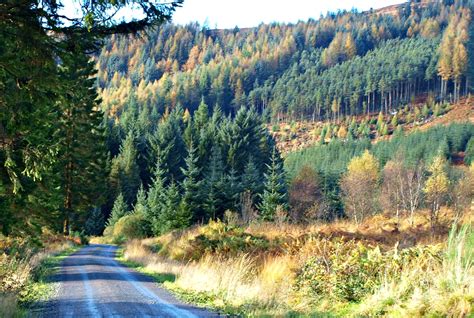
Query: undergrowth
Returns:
{"type": "Point", "coordinates": [25, 268]}
{"type": "Point", "coordinates": [268, 270]}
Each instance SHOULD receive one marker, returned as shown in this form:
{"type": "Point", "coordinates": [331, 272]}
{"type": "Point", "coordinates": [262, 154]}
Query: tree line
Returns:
{"type": "Point", "coordinates": [355, 178]}
{"type": "Point", "coordinates": [192, 168]}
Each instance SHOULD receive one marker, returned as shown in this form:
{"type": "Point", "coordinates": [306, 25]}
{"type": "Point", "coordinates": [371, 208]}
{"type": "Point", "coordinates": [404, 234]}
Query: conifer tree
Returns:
{"type": "Point", "coordinates": [168, 145]}
{"type": "Point", "coordinates": [124, 174]}
{"type": "Point", "coordinates": [156, 199]}
{"type": "Point", "coordinates": [214, 184]}
{"type": "Point", "coordinates": [201, 116]}
{"type": "Point", "coordinates": [251, 179]}
{"type": "Point", "coordinates": [82, 157]}
{"type": "Point", "coordinates": [140, 206]}
{"type": "Point", "coordinates": [191, 204]}
{"type": "Point", "coordinates": [171, 216]}
{"type": "Point", "coordinates": [231, 190]}
{"type": "Point", "coordinates": [120, 209]}
{"type": "Point", "coordinates": [274, 192]}
{"type": "Point", "coordinates": [95, 222]}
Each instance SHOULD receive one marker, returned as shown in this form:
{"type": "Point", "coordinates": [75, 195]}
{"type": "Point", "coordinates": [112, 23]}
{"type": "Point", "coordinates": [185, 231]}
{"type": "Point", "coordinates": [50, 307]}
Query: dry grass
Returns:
{"type": "Point", "coordinates": [264, 283]}
{"type": "Point", "coordinates": [18, 268]}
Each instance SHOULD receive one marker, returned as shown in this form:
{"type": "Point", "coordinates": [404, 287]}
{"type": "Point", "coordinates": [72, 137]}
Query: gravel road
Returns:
{"type": "Point", "coordinates": [93, 284]}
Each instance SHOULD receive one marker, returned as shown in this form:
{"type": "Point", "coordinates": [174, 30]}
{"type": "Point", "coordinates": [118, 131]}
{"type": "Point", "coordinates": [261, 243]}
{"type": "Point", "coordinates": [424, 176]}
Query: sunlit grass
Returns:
{"type": "Point", "coordinates": [435, 280]}
{"type": "Point", "coordinates": [25, 278]}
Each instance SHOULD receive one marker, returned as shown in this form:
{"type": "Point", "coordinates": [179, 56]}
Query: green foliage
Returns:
{"type": "Point", "coordinates": [119, 210]}
{"type": "Point", "coordinates": [156, 200]}
{"type": "Point", "coordinates": [219, 238]}
{"type": "Point", "coordinates": [125, 174]}
{"type": "Point", "coordinates": [131, 226]}
{"type": "Point", "coordinates": [274, 193]}
{"type": "Point", "coordinates": [141, 202]}
{"type": "Point", "coordinates": [190, 208]}
{"type": "Point", "coordinates": [53, 160]}
{"type": "Point", "coordinates": [350, 271]}
{"type": "Point", "coordinates": [95, 223]}
{"type": "Point", "coordinates": [469, 156]}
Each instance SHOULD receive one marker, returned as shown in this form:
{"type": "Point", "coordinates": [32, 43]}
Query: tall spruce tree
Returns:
{"type": "Point", "coordinates": [213, 185]}
{"type": "Point", "coordinates": [156, 199]}
{"type": "Point", "coordinates": [251, 179]}
{"type": "Point", "coordinates": [140, 206]}
{"type": "Point", "coordinates": [274, 192]}
{"type": "Point", "coordinates": [120, 209]}
{"type": "Point", "coordinates": [124, 174]}
{"type": "Point", "coordinates": [190, 209]}
{"type": "Point", "coordinates": [171, 216]}
{"type": "Point", "coordinates": [82, 156]}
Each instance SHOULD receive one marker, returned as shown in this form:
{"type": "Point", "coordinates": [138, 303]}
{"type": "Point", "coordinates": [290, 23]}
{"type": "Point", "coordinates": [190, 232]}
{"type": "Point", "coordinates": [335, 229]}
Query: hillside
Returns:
{"type": "Point", "coordinates": [297, 135]}
{"type": "Point", "coordinates": [343, 64]}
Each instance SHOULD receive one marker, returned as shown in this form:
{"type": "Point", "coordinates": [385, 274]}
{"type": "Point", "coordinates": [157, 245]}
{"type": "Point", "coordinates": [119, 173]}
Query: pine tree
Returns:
{"type": "Point", "coordinates": [168, 145]}
{"type": "Point", "coordinates": [201, 116]}
{"type": "Point", "coordinates": [251, 178]}
{"type": "Point", "coordinates": [95, 222]}
{"type": "Point", "coordinates": [191, 204]}
{"type": "Point", "coordinates": [120, 209]}
{"type": "Point", "coordinates": [274, 193]}
{"type": "Point", "coordinates": [124, 174]}
{"type": "Point", "coordinates": [171, 217]}
{"type": "Point", "coordinates": [156, 199]}
{"type": "Point", "coordinates": [214, 183]}
{"type": "Point", "coordinates": [231, 190]}
{"type": "Point", "coordinates": [140, 206]}
{"type": "Point", "coordinates": [82, 156]}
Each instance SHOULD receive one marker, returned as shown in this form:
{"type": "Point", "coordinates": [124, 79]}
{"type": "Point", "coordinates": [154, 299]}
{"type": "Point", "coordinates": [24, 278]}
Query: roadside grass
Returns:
{"type": "Point", "coordinates": [25, 275]}
{"type": "Point", "coordinates": [336, 270]}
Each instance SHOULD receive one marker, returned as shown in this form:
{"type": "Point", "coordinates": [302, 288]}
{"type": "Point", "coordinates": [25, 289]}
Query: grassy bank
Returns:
{"type": "Point", "coordinates": [376, 269]}
{"type": "Point", "coordinates": [25, 268]}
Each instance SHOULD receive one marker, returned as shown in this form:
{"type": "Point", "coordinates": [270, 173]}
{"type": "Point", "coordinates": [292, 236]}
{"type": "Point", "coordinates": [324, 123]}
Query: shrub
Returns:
{"type": "Point", "coordinates": [131, 226]}
{"type": "Point", "coordinates": [349, 271]}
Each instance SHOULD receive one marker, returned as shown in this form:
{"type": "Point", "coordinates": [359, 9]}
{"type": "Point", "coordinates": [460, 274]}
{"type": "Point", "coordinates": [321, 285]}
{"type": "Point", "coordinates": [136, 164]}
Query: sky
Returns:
{"type": "Point", "coordinates": [226, 14]}
{"type": "Point", "coordinates": [249, 13]}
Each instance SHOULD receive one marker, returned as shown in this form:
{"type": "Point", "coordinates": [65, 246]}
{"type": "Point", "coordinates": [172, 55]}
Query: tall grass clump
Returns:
{"type": "Point", "coordinates": [24, 268]}
{"type": "Point", "coordinates": [431, 287]}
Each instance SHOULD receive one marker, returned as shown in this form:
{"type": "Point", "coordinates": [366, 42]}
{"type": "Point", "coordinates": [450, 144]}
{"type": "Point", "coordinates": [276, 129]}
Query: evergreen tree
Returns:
{"type": "Point", "coordinates": [95, 222]}
{"type": "Point", "coordinates": [156, 199]}
{"type": "Point", "coordinates": [168, 145]}
{"type": "Point", "coordinates": [140, 206]}
{"type": "Point", "coordinates": [274, 192]}
{"type": "Point", "coordinates": [81, 168]}
{"type": "Point", "coordinates": [251, 179]}
{"type": "Point", "coordinates": [120, 209]}
{"type": "Point", "coordinates": [214, 184]}
{"type": "Point", "coordinates": [231, 191]}
{"type": "Point", "coordinates": [124, 174]}
{"type": "Point", "coordinates": [171, 216]}
{"type": "Point", "coordinates": [191, 204]}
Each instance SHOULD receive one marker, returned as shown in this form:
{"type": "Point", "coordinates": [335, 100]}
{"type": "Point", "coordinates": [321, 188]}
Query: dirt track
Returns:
{"type": "Point", "coordinates": [94, 284]}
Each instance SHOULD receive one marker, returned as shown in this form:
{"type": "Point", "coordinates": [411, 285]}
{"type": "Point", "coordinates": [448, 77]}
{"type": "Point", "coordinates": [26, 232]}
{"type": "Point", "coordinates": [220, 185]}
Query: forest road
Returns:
{"type": "Point", "coordinates": [93, 284]}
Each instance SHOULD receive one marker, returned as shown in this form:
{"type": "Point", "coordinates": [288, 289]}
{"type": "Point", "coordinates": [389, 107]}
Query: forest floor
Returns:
{"type": "Point", "coordinates": [296, 135]}
{"type": "Point", "coordinates": [382, 267]}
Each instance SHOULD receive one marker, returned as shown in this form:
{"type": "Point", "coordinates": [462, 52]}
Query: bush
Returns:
{"type": "Point", "coordinates": [131, 226]}
{"type": "Point", "coordinates": [349, 271]}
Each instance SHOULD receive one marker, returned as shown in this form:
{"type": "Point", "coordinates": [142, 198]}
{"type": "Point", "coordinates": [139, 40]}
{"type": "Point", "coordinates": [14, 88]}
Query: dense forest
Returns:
{"type": "Point", "coordinates": [343, 63]}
